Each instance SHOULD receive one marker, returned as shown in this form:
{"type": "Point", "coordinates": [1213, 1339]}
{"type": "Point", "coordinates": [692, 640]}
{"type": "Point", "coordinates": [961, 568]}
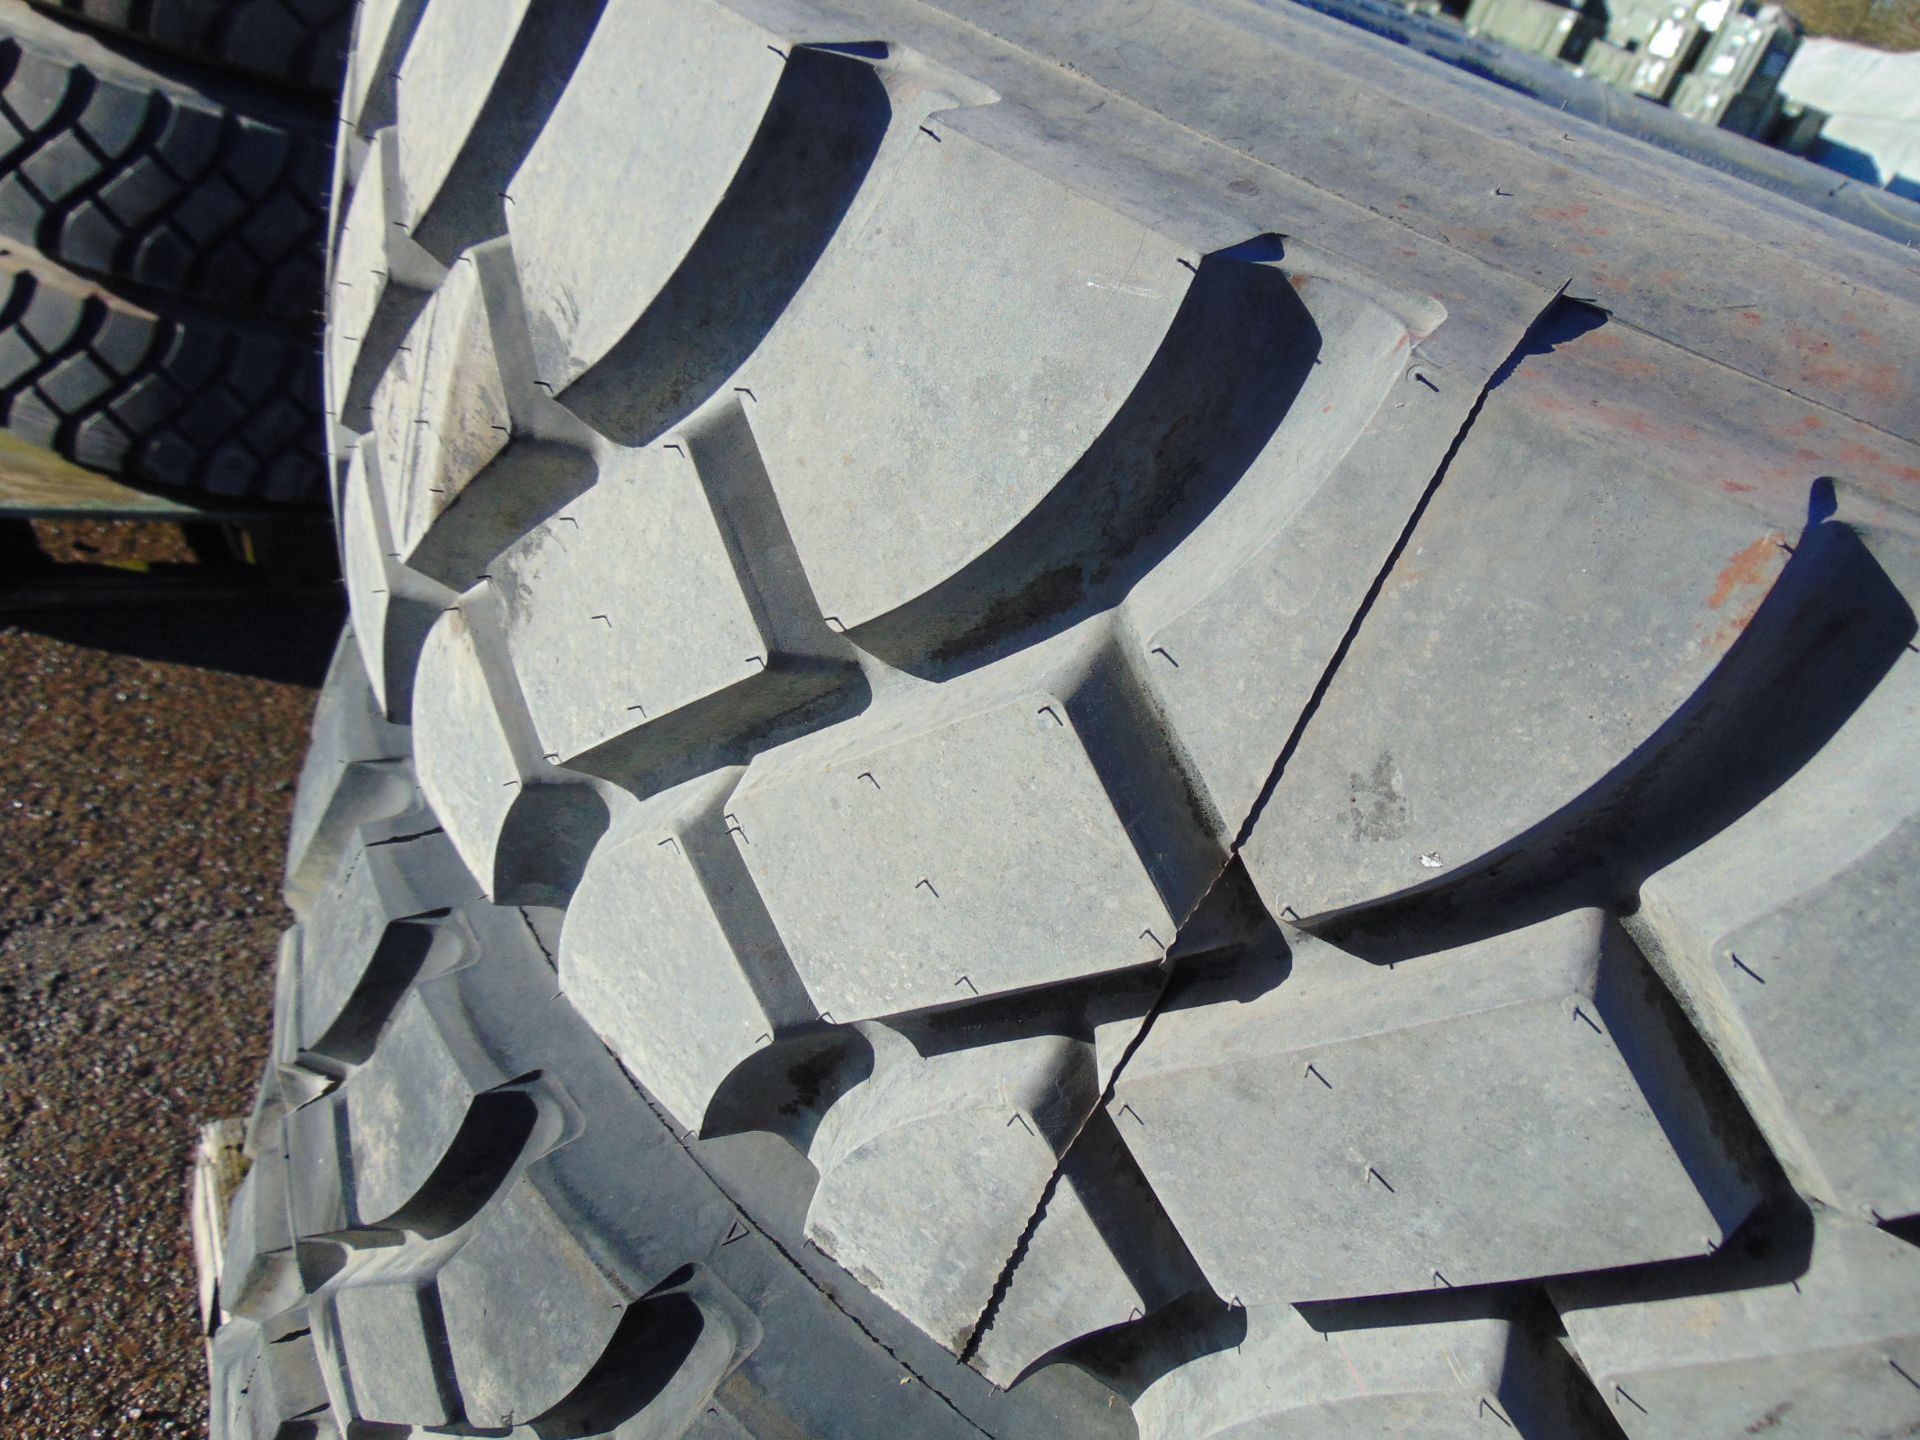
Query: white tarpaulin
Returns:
{"type": "Point", "coordinates": [1874, 99]}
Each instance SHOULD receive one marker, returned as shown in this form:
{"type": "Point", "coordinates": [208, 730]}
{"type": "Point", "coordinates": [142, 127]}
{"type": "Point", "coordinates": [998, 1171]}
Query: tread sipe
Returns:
{"type": "Point", "coordinates": [1032, 747]}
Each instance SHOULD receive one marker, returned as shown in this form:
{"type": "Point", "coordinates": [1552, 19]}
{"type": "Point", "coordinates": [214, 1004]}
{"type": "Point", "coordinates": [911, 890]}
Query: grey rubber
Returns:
{"type": "Point", "coordinates": [298, 43]}
{"type": "Point", "coordinates": [1036, 748]}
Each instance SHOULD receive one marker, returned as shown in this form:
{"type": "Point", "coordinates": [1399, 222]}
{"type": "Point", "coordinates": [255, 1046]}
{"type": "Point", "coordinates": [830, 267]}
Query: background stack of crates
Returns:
{"type": "Point", "coordinates": [1716, 61]}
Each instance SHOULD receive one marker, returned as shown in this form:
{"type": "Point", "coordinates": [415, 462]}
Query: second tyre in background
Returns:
{"type": "Point", "coordinates": [162, 230]}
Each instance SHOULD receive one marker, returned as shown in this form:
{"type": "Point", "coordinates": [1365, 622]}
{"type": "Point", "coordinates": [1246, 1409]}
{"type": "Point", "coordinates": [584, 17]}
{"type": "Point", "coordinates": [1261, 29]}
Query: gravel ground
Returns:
{"type": "Point", "coordinates": [147, 760]}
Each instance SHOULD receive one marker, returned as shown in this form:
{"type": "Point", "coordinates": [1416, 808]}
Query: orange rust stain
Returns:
{"type": "Point", "coordinates": [1561, 214]}
{"type": "Point", "coordinates": [1749, 567]}
{"type": "Point", "coordinates": [1722, 639]}
{"type": "Point", "coordinates": [1740, 615]}
{"type": "Point", "coordinates": [1583, 250]}
{"type": "Point", "coordinates": [1806, 424]}
{"type": "Point", "coordinates": [1751, 319]}
{"type": "Point", "coordinates": [1734, 487]}
{"type": "Point", "coordinates": [1625, 419]}
{"type": "Point", "coordinates": [1883, 383]}
{"type": "Point", "coordinates": [1822, 365]}
{"type": "Point", "coordinates": [1298, 282]}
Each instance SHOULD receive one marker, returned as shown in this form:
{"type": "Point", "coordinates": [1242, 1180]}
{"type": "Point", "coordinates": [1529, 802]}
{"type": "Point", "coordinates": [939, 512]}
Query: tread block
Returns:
{"type": "Point", "coordinates": [768, 145]}
{"type": "Point", "coordinates": [440, 411]}
{"type": "Point", "coordinates": [1103, 1253]}
{"type": "Point", "coordinates": [405, 1107]}
{"type": "Point", "coordinates": [258, 1276]}
{"type": "Point", "coordinates": [387, 1333]}
{"type": "Point", "coordinates": [320, 1172]}
{"type": "Point", "coordinates": [355, 774]}
{"type": "Point", "coordinates": [632, 580]}
{"type": "Point", "coordinates": [393, 607]}
{"type": "Point", "coordinates": [1821, 1042]}
{"type": "Point", "coordinates": [1274, 1373]}
{"type": "Point", "coordinates": [450, 69]}
{"type": "Point", "coordinates": [668, 954]}
{"type": "Point", "coordinates": [645, 576]}
{"type": "Point", "coordinates": [266, 1385]}
{"type": "Point", "coordinates": [231, 1357]}
{"type": "Point", "coordinates": [962, 843]}
{"type": "Point", "coordinates": [382, 31]}
{"type": "Point", "coordinates": [468, 765]}
{"type": "Point", "coordinates": [478, 83]}
{"type": "Point", "coordinates": [586, 276]}
{"type": "Point", "coordinates": [931, 1169]}
{"type": "Point", "coordinates": [514, 1364]}
{"type": "Point", "coordinates": [381, 279]}
{"type": "Point", "coordinates": [1242, 618]}
{"type": "Point", "coordinates": [360, 269]}
{"type": "Point", "coordinates": [485, 455]}
{"type": "Point", "coordinates": [672, 1351]}
{"type": "Point", "coordinates": [286, 1083]}
{"type": "Point", "coordinates": [364, 944]}
{"type": "Point", "coordinates": [523, 827]}
{"type": "Point", "coordinates": [961, 248]}
{"type": "Point", "coordinates": [1698, 636]}
{"type": "Point", "coordinates": [1583, 1146]}
{"type": "Point", "coordinates": [1812, 1336]}
{"type": "Point", "coordinates": [1785, 937]}
{"type": "Point", "coordinates": [1191, 448]}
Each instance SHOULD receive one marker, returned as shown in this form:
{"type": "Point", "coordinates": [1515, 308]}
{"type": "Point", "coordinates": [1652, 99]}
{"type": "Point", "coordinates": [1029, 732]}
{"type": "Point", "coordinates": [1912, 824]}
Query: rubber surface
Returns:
{"type": "Point", "coordinates": [301, 43]}
{"type": "Point", "coordinates": [115, 169]}
{"type": "Point", "coordinates": [163, 267]}
{"type": "Point", "coordinates": [1026, 755]}
{"type": "Point", "coordinates": [195, 403]}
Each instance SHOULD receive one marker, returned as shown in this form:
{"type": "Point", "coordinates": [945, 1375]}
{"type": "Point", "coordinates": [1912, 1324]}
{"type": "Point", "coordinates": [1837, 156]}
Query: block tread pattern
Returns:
{"type": "Point", "coordinates": [980, 850]}
{"type": "Point", "coordinates": [300, 43]}
{"type": "Point", "coordinates": [189, 403]}
{"type": "Point", "coordinates": [157, 185]}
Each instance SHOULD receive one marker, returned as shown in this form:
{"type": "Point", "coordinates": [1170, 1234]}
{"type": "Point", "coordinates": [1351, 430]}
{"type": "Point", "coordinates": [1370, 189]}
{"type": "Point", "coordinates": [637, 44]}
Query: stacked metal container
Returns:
{"type": "Point", "coordinates": [1542, 27]}
{"type": "Point", "coordinates": [1716, 61]}
{"type": "Point", "coordinates": [1735, 84]}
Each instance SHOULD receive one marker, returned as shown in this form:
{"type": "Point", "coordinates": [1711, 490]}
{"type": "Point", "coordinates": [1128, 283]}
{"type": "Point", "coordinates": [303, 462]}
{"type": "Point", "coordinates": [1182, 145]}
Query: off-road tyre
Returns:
{"type": "Point", "coordinates": [1033, 746]}
{"type": "Point", "coordinates": [180, 400]}
{"type": "Point", "coordinates": [165, 238]}
{"type": "Point", "coordinates": [113, 168]}
{"type": "Point", "coordinates": [296, 43]}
